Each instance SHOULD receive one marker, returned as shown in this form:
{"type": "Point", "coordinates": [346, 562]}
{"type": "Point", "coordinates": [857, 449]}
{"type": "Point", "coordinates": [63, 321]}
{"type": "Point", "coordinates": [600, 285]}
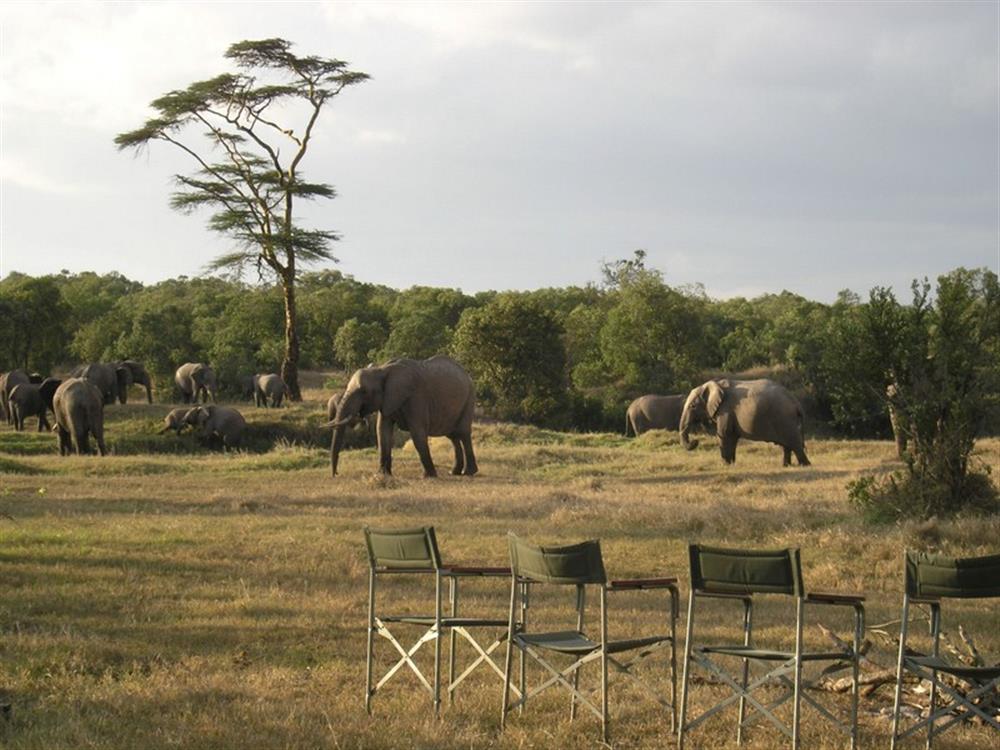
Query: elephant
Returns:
{"type": "Point", "coordinates": [175, 420]}
{"type": "Point", "coordinates": [751, 409]}
{"type": "Point", "coordinates": [427, 398]}
{"type": "Point", "coordinates": [268, 388]}
{"type": "Point", "coordinates": [196, 379]}
{"type": "Point", "coordinates": [654, 413]}
{"type": "Point", "coordinates": [8, 382]}
{"type": "Point", "coordinates": [113, 378]}
{"type": "Point", "coordinates": [78, 406]}
{"type": "Point", "coordinates": [30, 400]}
{"type": "Point", "coordinates": [223, 421]}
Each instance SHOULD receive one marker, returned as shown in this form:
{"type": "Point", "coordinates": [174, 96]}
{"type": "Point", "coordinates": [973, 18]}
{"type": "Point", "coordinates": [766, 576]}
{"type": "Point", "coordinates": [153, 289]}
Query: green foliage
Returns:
{"type": "Point", "coordinates": [940, 359]}
{"type": "Point", "coordinates": [33, 328]}
{"type": "Point", "coordinates": [422, 321]}
{"type": "Point", "coordinates": [356, 344]}
{"type": "Point", "coordinates": [513, 348]}
{"type": "Point", "coordinates": [651, 339]}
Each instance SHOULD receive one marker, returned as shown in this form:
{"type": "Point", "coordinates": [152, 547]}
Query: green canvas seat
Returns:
{"type": "Point", "coordinates": [928, 579]}
{"type": "Point", "coordinates": [748, 652]}
{"type": "Point", "coordinates": [580, 566]}
{"type": "Point", "coordinates": [415, 552]}
{"type": "Point", "coordinates": [741, 576]}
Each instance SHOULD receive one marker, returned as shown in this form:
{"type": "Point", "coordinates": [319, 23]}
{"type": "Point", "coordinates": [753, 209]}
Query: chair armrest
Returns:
{"type": "Point", "coordinates": [383, 571]}
{"type": "Point", "coordinates": [850, 600]}
{"type": "Point", "coordinates": [634, 584]}
{"type": "Point", "coordinates": [456, 571]}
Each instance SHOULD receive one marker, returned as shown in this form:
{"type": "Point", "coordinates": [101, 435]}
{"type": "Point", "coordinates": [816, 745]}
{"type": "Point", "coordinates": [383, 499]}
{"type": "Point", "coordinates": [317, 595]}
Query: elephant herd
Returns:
{"type": "Point", "coordinates": [427, 398]}
{"type": "Point", "coordinates": [77, 403]}
{"type": "Point", "coordinates": [750, 409]}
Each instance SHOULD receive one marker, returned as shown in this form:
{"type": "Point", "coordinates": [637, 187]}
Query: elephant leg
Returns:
{"type": "Point", "coordinates": [471, 467]}
{"type": "Point", "coordinates": [82, 441]}
{"type": "Point", "coordinates": [787, 460]}
{"type": "Point", "coordinates": [727, 447]}
{"type": "Point", "coordinates": [800, 456]}
{"type": "Point", "coordinates": [459, 466]}
{"type": "Point", "coordinates": [385, 430]}
{"type": "Point", "coordinates": [99, 438]}
{"type": "Point", "coordinates": [65, 448]}
{"type": "Point", "coordinates": [423, 450]}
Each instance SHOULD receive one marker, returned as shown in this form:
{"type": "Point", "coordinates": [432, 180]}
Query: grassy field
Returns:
{"type": "Point", "coordinates": [167, 596]}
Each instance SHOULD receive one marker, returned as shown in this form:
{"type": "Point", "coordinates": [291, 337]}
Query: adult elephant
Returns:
{"type": "Point", "coordinates": [8, 381]}
{"type": "Point", "coordinates": [113, 379]}
{"type": "Point", "coordinates": [752, 409]}
{"type": "Point", "coordinates": [78, 406]}
{"type": "Point", "coordinates": [195, 379]}
{"type": "Point", "coordinates": [654, 413]}
{"type": "Point", "coordinates": [32, 400]}
{"type": "Point", "coordinates": [428, 398]}
{"type": "Point", "coordinates": [217, 421]}
{"type": "Point", "coordinates": [268, 389]}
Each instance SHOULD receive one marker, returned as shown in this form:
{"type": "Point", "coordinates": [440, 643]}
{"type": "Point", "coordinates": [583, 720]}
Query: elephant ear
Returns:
{"type": "Point", "coordinates": [398, 386]}
{"type": "Point", "coordinates": [124, 376]}
{"type": "Point", "coordinates": [715, 396]}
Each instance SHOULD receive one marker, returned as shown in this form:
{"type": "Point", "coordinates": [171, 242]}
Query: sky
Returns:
{"type": "Point", "coordinates": [750, 147]}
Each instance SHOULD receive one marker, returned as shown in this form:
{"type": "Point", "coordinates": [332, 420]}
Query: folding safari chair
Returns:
{"type": "Point", "coordinates": [930, 578]}
{"type": "Point", "coordinates": [415, 551]}
{"type": "Point", "coordinates": [739, 575]}
{"type": "Point", "coordinates": [579, 565]}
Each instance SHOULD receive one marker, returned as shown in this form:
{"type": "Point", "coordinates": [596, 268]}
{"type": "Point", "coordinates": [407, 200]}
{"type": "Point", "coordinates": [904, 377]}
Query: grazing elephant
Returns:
{"type": "Point", "coordinates": [111, 378]}
{"type": "Point", "coordinates": [654, 413]}
{"type": "Point", "coordinates": [196, 379]}
{"type": "Point", "coordinates": [222, 421]}
{"type": "Point", "coordinates": [751, 409]}
{"type": "Point", "coordinates": [8, 382]}
{"type": "Point", "coordinates": [175, 421]}
{"type": "Point", "coordinates": [26, 401]}
{"type": "Point", "coordinates": [428, 398]}
{"type": "Point", "coordinates": [78, 406]}
{"type": "Point", "coordinates": [268, 388]}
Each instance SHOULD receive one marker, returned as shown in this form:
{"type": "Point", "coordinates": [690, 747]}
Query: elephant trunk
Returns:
{"type": "Point", "coordinates": [685, 429]}
{"type": "Point", "coordinates": [347, 411]}
{"type": "Point", "coordinates": [336, 443]}
{"type": "Point", "coordinates": [149, 392]}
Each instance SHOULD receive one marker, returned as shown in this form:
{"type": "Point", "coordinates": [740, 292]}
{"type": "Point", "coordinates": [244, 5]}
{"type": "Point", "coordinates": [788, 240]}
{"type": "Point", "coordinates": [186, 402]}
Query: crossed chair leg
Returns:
{"type": "Point", "coordinates": [432, 686]}
{"type": "Point", "coordinates": [961, 708]}
{"type": "Point", "coordinates": [743, 693]}
{"type": "Point", "coordinates": [583, 697]}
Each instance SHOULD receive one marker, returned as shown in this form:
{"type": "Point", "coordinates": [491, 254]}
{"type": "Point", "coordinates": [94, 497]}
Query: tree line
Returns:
{"type": "Point", "coordinates": [567, 357]}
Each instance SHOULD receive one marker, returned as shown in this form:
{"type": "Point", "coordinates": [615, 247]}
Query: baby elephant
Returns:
{"type": "Point", "coordinates": [268, 389]}
{"type": "Point", "coordinates": [175, 421]}
{"type": "Point", "coordinates": [222, 421]}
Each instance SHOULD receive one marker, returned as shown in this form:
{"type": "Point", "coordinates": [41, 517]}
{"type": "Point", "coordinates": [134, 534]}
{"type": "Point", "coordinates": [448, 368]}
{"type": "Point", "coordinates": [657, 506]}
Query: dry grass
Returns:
{"type": "Point", "coordinates": [218, 601]}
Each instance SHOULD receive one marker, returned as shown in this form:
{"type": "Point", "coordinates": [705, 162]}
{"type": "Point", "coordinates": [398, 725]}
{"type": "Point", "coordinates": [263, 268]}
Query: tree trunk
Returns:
{"type": "Point", "coordinates": [290, 365]}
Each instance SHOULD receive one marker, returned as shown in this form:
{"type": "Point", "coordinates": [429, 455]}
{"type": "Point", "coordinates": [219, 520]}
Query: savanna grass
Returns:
{"type": "Point", "coordinates": [209, 600]}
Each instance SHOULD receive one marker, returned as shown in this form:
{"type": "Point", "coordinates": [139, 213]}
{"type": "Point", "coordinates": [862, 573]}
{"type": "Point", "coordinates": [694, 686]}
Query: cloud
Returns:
{"type": "Point", "coordinates": [14, 172]}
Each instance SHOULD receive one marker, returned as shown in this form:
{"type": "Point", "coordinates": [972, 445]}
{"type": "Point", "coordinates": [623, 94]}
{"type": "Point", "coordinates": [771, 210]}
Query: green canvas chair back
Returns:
{"type": "Point", "coordinates": [403, 548]}
{"type": "Point", "coordinates": [574, 564]}
{"type": "Point", "coordinates": [735, 571]}
{"type": "Point", "coordinates": [961, 578]}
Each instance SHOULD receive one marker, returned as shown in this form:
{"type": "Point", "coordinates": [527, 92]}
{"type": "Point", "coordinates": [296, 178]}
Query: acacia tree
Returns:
{"type": "Point", "coordinates": [244, 176]}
